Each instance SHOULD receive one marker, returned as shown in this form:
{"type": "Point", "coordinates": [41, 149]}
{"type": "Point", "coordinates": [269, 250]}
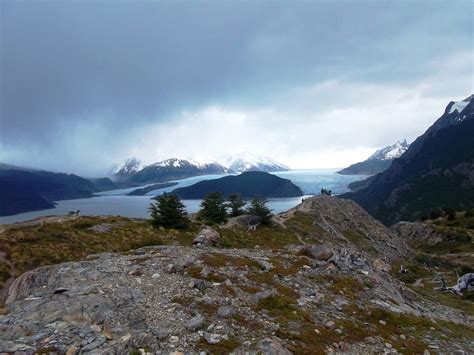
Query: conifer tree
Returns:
{"type": "Point", "coordinates": [259, 208]}
{"type": "Point", "coordinates": [235, 203]}
{"type": "Point", "coordinates": [169, 212]}
{"type": "Point", "coordinates": [213, 209]}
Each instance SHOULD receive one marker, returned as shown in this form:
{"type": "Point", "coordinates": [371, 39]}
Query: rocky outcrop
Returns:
{"type": "Point", "coordinates": [113, 303]}
{"type": "Point", "coordinates": [345, 223]}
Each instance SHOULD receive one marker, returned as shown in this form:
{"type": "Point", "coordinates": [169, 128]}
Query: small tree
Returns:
{"type": "Point", "coordinates": [259, 208]}
{"type": "Point", "coordinates": [213, 209]}
{"type": "Point", "coordinates": [235, 203]}
{"type": "Point", "coordinates": [169, 212]}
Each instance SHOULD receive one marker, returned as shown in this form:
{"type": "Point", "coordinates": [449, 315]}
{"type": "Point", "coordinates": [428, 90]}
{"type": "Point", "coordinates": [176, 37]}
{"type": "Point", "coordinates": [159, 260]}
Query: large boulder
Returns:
{"type": "Point", "coordinates": [381, 266]}
{"type": "Point", "coordinates": [208, 237]}
{"type": "Point", "coordinates": [318, 252]}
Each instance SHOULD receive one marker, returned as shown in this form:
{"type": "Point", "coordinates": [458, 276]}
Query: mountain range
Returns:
{"type": "Point", "coordinates": [377, 162]}
{"type": "Point", "coordinates": [436, 171]}
{"type": "Point", "coordinates": [133, 173]}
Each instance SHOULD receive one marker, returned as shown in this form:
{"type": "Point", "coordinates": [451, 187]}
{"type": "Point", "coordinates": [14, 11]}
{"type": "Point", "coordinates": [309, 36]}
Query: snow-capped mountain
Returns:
{"type": "Point", "coordinates": [129, 167]}
{"type": "Point", "coordinates": [436, 171]}
{"type": "Point", "coordinates": [133, 173]}
{"type": "Point", "coordinates": [456, 112]}
{"type": "Point", "coordinates": [185, 163]}
{"type": "Point", "coordinates": [377, 162]}
{"type": "Point", "coordinates": [390, 152]}
{"type": "Point", "coordinates": [250, 162]}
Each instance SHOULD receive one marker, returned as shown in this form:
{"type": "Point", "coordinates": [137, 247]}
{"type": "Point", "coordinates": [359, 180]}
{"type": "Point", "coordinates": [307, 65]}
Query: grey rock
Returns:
{"type": "Point", "coordinates": [208, 237]}
{"type": "Point", "coordinates": [196, 322]}
{"type": "Point", "coordinates": [264, 265]}
{"type": "Point", "coordinates": [381, 266]}
{"type": "Point", "coordinates": [201, 285]}
{"type": "Point", "coordinates": [262, 295]}
{"type": "Point", "coordinates": [175, 268]}
{"type": "Point", "coordinates": [94, 345]}
{"type": "Point", "coordinates": [319, 252]}
{"type": "Point", "coordinates": [212, 338]}
{"type": "Point", "coordinates": [101, 228]}
{"type": "Point", "coordinates": [225, 311]}
{"type": "Point", "coordinates": [330, 325]}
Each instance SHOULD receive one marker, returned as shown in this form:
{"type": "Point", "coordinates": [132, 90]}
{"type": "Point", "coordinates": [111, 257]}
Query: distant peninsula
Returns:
{"type": "Point", "coordinates": [248, 185]}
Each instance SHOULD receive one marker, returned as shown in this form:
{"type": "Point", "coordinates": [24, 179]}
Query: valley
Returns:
{"type": "Point", "coordinates": [117, 202]}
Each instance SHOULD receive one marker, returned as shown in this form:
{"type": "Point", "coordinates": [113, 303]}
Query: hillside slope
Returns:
{"type": "Point", "coordinates": [304, 285]}
{"type": "Point", "coordinates": [436, 171]}
{"type": "Point", "coordinates": [24, 191]}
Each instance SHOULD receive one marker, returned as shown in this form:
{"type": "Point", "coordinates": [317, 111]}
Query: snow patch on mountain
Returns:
{"type": "Point", "coordinates": [390, 152]}
{"type": "Point", "coordinates": [129, 167]}
{"type": "Point", "coordinates": [174, 162]}
{"type": "Point", "coordinates": [456, 112]}
{"type": "Point", "coordinates": [458, 106]}
{"type": "Point", "coordinates": [251, 162]}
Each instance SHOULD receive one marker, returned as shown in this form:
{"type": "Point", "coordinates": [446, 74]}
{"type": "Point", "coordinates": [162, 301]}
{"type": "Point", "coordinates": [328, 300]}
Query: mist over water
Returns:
{"type": "Point", "coordinates": [115, 202]}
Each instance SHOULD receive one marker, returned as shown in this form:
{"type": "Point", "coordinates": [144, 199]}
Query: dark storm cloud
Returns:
{"type": "Point", "coordinates": [70, 65]}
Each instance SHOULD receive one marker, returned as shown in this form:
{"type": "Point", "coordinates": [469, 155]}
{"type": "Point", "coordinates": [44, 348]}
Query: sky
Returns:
{"type": "Point", "coordinates": [313, 84]}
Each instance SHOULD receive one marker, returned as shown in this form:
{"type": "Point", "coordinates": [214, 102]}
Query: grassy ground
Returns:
{"type": "Point", "coordinates": [33, 246]}
{"type": "Point", "coordinates": [28, 247]}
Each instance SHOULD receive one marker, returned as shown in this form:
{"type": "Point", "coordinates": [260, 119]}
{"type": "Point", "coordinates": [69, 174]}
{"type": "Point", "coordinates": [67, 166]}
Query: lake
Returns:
{"type": "Point", "coordinates": [115, 202]}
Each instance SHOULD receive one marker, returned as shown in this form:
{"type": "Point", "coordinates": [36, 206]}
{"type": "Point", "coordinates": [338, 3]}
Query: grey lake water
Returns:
{"type": "Point", "coordinates": [115, 202]}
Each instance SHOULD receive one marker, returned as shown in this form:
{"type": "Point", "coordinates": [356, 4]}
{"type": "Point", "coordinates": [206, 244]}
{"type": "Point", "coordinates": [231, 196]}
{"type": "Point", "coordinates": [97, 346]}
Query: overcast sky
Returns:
{"type": "Point", "coordinates": [311, 84]}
